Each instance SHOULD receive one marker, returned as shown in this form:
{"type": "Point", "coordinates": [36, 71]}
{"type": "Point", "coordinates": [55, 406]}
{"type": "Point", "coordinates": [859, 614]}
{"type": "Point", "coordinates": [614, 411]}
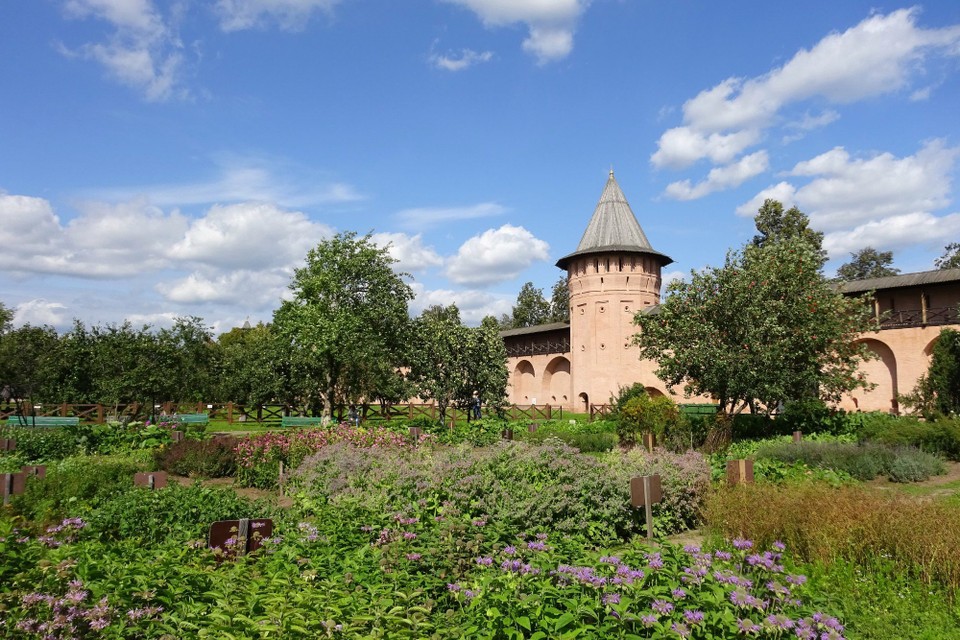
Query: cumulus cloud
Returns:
{"type": "Point", "coordinates": [895, 232]}
{"type": "Point", "coordinates": [880, 55]}
{"type": "Point", "coordinates": [473, 304]}
{"type": "Point", "coordinates": [252, 235]}
{"type": "Point", "coordinates": [253, 289]}
{"type": "Point", "coordinates": [40, 312]}
{"type": "Point", "coordinates": [721, 178]}
{"type": "Point", "coordinates": [142, 50]}
{"type": "Point", "coordinates": [291, 15]}
{"type": "Point", "coordinates": [465, 59]}
{"type": "Point", "coordinates": [421, 217]}
{"type": "Point", "coordinates": [551, 23]}
{"type": "Point", "coordinates": [496, 255]}
{"type": "Point", "coordinates": [409, 251]}
{"type": "Point", "coordinates": [782, 192]}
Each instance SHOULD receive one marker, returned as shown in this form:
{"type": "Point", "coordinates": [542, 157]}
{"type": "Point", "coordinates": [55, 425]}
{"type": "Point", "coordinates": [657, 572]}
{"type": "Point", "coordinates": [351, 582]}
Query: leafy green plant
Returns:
{"type": "Point", "coordinates": [204, 458]}
{"type": "Point", "coordinates": [41, 444]}
{"type": "Point", "coordinates": [657, 415]}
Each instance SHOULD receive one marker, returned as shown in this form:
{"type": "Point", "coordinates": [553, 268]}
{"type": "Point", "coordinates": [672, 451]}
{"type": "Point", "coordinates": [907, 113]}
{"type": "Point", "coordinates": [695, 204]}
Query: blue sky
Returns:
{"type": "Point", "coordinates": [179, 158]}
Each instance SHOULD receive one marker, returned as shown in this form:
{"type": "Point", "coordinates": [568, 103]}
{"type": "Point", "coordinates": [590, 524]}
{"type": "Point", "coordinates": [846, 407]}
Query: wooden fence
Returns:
{"type": "Point", "coordinates": [232, 412]}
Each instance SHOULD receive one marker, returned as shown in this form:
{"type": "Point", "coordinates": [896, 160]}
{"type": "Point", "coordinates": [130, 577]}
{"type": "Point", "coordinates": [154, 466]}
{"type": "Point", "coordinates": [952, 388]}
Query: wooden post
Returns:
{"type": "Point", "coordinates": [151, 480]}
{"type": "Point", "coordinates": [230, 412]}
{"type": "Point", "coordinates": [100, 414]}
{"type": "Point", "coordinates": [797, 436]}
{"type": "Point", "coordinates": [507, 434]}
{"type": "Point", "coordinates": [644, 492]}
{"type": "Point", "coordinates": [34, 470]}
{"type": "Point", "coordinates": [12, 484]}
{"type": "Point", "coordinates": [280, 479]}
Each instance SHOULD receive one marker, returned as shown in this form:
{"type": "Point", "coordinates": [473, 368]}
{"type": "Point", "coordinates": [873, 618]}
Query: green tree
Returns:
{"type": "Point", "coordinates": [765, 328]}
{"type": "Point", "coordinates": [349, 310]}
{"type": "Point", "coordinates": [439, 357]}
{"type": "Point", "coordinates": [31, 362]}
{"type": "Point", "coordinates": [487, 374]}
{"type": "Point", "coordinates": [130, 365]}
{"type": "Point", "coordinates": [531, 308]}
{"type": "Point", "coordinates": [867, 263]}
{"type": "Point", "coordinates": [190, 351]}
{"type": "Point", "coordinates": [950, 258]}
{"type": "Point", "coordinates": [560, 301]}
{"type": "Point", "coordinates": [249, 363]}
{"type": "Point", "coordinates": [944, 373]}
{"type": "Point", "coordinates": [776, 225]}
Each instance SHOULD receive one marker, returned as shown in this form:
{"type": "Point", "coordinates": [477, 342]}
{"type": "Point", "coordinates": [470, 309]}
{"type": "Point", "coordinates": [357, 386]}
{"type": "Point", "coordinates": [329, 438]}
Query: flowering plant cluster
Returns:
{"type": "Point", "coordinates": [646, 593]}
{"type": "Point", "coordinates": [258, 456]}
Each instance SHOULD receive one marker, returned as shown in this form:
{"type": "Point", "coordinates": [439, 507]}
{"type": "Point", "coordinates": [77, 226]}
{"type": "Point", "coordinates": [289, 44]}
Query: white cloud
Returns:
{"type": "Point", "coordinates": [895, 232]}
{"type": "Point", "coordinates": [244, 288]}
{"type": "Point", "coordinates": [291, 15]}
{"type": "Point", "coordinates": [40, 312]}
{"type": "Point", "coordinates": [782, 192]}
{"type": "Point", "coordinates": [409, 251]}
{"type": "Point", "coordinates": [421, 217]}
{"type": "Point", "coordinates": [143, 50]}
{"type": "Point", "coordinates": [849, 191]}
{"type": "Point", "coordinates": [29, 224]}
{"type": "Point", "coordinates": [473, 304]}
{"type": "Point", "coordinates": [682, 146]}
{"type": "Point", "coordinates": [249, 235]}
{"type": "Point", "coordinates": [496, 255]}
{"type": "Point", "coordinates": [720, 178]}
{"type": "Point", "coordinates": [551, 23]}
{"type": "Point", "coordinates": [878, 56]}
{"type": "Point", "coordinates": [460, 61]}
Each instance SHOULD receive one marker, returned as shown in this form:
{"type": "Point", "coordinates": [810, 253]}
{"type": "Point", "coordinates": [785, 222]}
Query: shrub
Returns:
{"type": "Point", "coordinates": [864, 461]}
{"type": "Point", "coordinates": [205, 458]}
{"type": "Point", "coordinates": [942, 436]}
{"type": "Point", "coordinates": [75, 486]}
{"type": "Point", "coordinates": [176, 512]}
{"type": "Point", "coordinates": [513, 486]}
{"type": "Point", "coordinates": [659, 415]}
{"type": "Point", "coordinates": [42, 444]}
{"type": "Point", "coordinates": [587, 437]}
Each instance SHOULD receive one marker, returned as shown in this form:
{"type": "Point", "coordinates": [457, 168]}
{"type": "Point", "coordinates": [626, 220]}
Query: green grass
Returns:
{"type": "Point", "coordinates": [882, 602]}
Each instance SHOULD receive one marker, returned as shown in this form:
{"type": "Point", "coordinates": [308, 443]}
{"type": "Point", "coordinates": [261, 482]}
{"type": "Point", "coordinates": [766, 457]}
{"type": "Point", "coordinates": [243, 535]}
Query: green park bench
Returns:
{"type": "Point", "coordinates": [301, 421]}
{"type": "Point", "coordinates": [42, 421]}
{"type": "Point", "coordinates": [190, 418]}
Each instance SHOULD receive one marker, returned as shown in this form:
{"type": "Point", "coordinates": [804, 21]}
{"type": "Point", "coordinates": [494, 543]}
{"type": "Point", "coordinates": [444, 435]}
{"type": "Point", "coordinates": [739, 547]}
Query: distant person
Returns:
{"type": "Point", "coordinates": [354, 416]}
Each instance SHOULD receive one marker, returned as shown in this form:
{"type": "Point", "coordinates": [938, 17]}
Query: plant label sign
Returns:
{"type": "Point", "coordinates": [176, 436]}
{"type": "Point", "coordinates": [8, 444]}
{"type": "Point", "coordinates": [35, 471]}
{"type": "Point", "coordinates": [649, 441]}
{"type": "Point", "coordinates": [645, 490]}
{"type": "Point", "coordinates": [739, 472]}
{"type": "Point", "coordinates": [797, 436]}
{"type": "Point", "coordinates": [415, 433]}
{"type": "Point", "coordinates": [151, 480]}
{"type": "Point", "coordinates": [507, 434]}
{"type": "Point", "coordinates": [12, 484]}
{"type": "Point", "coordinates": [238, 537]}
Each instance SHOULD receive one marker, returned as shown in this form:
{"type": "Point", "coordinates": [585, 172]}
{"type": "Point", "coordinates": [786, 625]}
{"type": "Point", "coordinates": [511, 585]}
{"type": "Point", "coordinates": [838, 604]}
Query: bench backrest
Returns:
{"type": "Point", "coordinates": [42, 421]}
{"type": "Point", "coordinates": [192, 418]}
{"type": "Point", "coordinates": [300, 421]}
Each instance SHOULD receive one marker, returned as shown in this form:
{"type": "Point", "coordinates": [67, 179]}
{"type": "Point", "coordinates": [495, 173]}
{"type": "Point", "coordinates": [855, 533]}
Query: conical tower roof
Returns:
{"type": "Point", "coordinates": [612, 228]}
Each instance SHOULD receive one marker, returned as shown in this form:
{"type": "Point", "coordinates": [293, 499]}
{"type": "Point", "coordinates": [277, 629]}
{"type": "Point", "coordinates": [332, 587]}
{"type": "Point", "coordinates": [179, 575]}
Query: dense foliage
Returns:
{"type": "Point", "coordinates": [764, 329]}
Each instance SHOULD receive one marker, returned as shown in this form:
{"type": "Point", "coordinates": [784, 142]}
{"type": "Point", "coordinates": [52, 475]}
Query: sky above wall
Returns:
{"type": "Point", "coordinates": [161, 159]}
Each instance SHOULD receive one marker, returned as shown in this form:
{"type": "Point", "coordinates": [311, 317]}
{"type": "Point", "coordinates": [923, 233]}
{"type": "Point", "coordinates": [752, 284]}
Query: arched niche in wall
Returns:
{"type": "Point", "coordinates": [881, 371]}
{"type": "Point", "coordinates": [555, 386]}
{"type": "Point", "coordinates": [524, 379]}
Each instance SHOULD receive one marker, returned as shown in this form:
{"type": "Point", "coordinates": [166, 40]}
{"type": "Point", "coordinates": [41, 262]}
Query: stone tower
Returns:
{"type": "Point", "coordinates": [614, 273]}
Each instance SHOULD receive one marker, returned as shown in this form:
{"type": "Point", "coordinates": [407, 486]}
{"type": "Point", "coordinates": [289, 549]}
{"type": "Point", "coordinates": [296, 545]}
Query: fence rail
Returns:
{"type": "Point", "coordinates": [919, 317]}
{"type": "Point", "coordinates": [232, 412]}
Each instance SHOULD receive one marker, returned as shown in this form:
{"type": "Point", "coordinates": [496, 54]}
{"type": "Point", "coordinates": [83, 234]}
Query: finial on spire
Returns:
{"type": "Point", "coordinates": [611, 171]}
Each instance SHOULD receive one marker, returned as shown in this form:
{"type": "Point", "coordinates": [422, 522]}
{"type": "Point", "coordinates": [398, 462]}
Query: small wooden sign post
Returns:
{"type": "Point", "coordinates": [415, 433]}
{"type": "Point", "coordinates": [239, 537]}
{"type": "Point", "coordinates": [12, 484]}
{"type": "Point", "coordinates": [645, 491]}
{"type": "Point", "coordinates": [176, 436]}
{"type": "Point", "coordinates": [797, 436]}
{"type": "Point", "coordinates": [739, 472]}
{"type": "Point", "coordinates": [507, 434]}
{"type": "Point", "coordinates": [151, 480]}
{"type": "Point", "coordinates": [533, 427]}
{"type": "Point", "coordinates": [8, 444]}
{"type": "Point", "coordinates": [649, 440]}
{"type": "Point", "coordinates": [35, 470]}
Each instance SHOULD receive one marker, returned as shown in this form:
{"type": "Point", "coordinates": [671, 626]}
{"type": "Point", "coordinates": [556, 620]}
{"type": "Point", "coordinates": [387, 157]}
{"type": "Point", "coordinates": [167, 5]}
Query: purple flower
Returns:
{"type": "Point", "coordinates": [413, 557]}
{"type": "Point", "coordinates": [680, 629]}
{"type": "Point", "coordinates": [611, 598]}
{"type": "Point", "coordinates": [746, 625]}
{"type": "Point", "coordinates": [779, 546]}
{"type": "Point", "coordinates": [742, 544]}
{"type": "Point", "coordinates": [510, 550]}
{"type": "Point", "coordinates": [484, 561]}
{"type": "Point", "coordinates": [537, 546]}
{"type": "Point", "coordinates": [662, 607]}
{"type": "Point", "coordinates": [648, 620]}
{"type": "Point", "coordinates": [679, 593]}
{"type": "Point", "coordinates": [693, 616]}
